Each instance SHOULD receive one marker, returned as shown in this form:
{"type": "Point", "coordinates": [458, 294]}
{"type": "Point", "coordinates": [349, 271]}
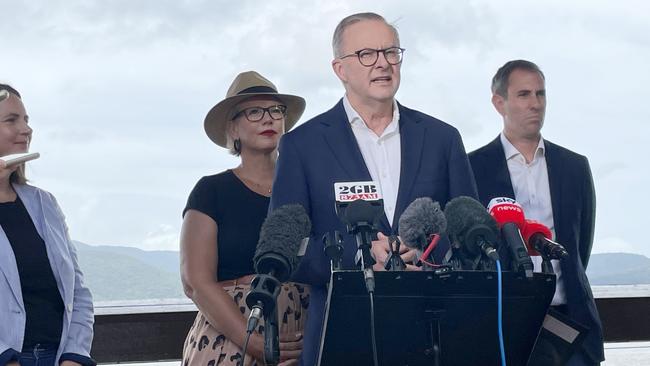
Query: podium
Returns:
{"type": "Point", "coordinates": [433, 318]}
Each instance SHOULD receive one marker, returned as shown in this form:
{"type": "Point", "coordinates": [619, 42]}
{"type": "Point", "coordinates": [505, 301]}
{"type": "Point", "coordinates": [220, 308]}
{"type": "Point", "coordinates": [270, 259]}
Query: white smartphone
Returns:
{"type": "Point", "coordinates": [14, 159]}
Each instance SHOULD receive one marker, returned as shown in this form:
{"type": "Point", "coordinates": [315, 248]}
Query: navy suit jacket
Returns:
{"type": "Point", "coordinates": [323, 151]}
{"type": "Point", "coordinates": [574, 208]}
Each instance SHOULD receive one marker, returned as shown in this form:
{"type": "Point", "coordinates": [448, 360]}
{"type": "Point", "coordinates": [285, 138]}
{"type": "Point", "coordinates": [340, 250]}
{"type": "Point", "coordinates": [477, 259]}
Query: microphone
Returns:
{"type": "Point", "coordinates": [421, 225]}
{"type": "Point", "coordinates": [510, 218]}
{"type": "Point", "coordinates": [472, 230]}
{"type": "Point", "coordinates": [19, 158]}
{"type": "Point", "coordinates": [359, 206]}
{"type": "Point", "coordinates": [275, 259]}
{"type": "Point", "coordinates": [539, 236]}
{"type": "Point", "coordinates": [394, 262]}
{"type": "Point", "coordinates": [333, 248]}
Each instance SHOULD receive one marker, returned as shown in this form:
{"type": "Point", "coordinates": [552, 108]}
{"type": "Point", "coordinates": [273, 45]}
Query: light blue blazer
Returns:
{"type": "Point", "coordinates": [78, 319]}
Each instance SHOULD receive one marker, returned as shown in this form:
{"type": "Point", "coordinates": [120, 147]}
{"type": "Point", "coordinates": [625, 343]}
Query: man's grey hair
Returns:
{"type": "Point", "coordinates": [501, 79]}
{"type": "Point", "coordinates": [352, 19]}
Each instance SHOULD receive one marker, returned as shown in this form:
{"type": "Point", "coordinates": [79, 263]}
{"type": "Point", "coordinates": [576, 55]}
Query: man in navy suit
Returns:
{"type": "Point", "coordinates": [366, 136]}
{"type": "Point", "coordinates": [553, 185]}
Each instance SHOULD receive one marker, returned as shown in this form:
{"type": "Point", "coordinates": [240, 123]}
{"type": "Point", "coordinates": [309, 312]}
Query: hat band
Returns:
{"type": "Point", "coordinates": [258, 89]}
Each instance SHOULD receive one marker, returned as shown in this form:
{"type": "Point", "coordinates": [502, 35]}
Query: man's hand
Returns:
{"type": "Point", "coordinates": [12, 363]}
{"type": "Point", "coordinates": [381, 251]}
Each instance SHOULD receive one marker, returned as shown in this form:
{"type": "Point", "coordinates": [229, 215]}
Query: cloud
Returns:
{"type": "Point", "coordinates": [617, 245]}
{"type": "Point", "coordinates": [605, 170]}
{"type": "Point", "coordinates": [117, 91]}
{"type": "Point", "coordinates": [165, 237]}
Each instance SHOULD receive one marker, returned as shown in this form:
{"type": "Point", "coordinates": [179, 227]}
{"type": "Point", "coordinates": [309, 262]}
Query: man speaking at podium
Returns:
{"type": "Point", "coordinates": [366, 136]}
{"type": "Point", "coordinates": [553, 185]}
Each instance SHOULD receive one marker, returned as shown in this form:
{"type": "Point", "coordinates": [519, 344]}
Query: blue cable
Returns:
{"type": "Point", "coordinates": [500, 313]}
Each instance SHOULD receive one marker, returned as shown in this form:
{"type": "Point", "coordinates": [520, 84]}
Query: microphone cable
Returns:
{"type": "Point", "coordinates": [253, 319]}
{"type": "Point", "coordinates": [243, 356]}
{"type": "Point", "coordinates": [372, 328]}
{"type": "Point", "coordinates": [427, 252]}
{"type": "Point", "coordinates": [500, 313]}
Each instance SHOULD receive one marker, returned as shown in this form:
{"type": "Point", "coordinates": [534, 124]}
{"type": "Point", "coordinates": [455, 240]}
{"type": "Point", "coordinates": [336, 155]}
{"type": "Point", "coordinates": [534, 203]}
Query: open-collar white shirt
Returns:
{"type": "Point", "coordinates": [533, 193]}
{"type": "Point", "coordinates": [382, 154]}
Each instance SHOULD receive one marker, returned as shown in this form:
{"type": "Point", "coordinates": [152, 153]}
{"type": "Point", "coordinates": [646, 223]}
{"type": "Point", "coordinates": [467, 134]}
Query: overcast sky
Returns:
{"type": "Point", "coordinates": [118, 90]}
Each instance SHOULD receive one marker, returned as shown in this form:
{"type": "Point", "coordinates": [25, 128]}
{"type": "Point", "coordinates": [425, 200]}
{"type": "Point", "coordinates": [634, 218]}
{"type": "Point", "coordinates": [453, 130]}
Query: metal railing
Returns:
{"type": "Point", "coordinates": [156, 330]}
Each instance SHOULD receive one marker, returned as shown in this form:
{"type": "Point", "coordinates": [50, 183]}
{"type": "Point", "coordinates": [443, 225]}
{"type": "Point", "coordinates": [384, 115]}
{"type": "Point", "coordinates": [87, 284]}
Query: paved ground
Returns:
{"type": "Point", "coordinates": [627, 354]}
{"type": "Point", "coordinates": [617, 354]}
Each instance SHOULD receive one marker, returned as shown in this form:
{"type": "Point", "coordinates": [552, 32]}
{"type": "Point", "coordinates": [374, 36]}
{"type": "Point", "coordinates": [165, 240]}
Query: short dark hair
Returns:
{"type": "Point", "coordinates": [500, 81]}
{"type": "Point", "coordinates": [18, 176]}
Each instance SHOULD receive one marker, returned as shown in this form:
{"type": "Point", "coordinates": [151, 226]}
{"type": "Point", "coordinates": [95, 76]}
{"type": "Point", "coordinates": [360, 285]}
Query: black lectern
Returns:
{"type": "Point", "coordinates": [433, 318]}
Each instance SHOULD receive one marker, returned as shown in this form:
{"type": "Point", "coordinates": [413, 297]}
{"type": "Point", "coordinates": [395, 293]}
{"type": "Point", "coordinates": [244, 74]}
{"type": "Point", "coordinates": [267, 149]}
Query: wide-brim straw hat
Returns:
{"type": "Point", "coordinates": [248, 84]}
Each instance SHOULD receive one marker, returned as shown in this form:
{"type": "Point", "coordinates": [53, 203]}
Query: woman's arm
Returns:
{"type": "Point", "coordinates": [198, 274]}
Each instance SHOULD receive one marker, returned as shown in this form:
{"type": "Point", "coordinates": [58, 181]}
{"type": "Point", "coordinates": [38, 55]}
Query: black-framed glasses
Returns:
{"type": "Point", "coordinates": [255, 114]}
{"type": "Point", "coordinates": [369, 56]}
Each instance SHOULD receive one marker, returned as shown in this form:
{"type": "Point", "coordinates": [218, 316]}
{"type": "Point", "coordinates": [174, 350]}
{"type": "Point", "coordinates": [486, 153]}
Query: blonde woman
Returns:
{"type": "Point", "coordinates": [221, 225]}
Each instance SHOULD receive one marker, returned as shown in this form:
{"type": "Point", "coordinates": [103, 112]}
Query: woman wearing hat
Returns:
{"type": "Point", "coordinates": [221, 225]}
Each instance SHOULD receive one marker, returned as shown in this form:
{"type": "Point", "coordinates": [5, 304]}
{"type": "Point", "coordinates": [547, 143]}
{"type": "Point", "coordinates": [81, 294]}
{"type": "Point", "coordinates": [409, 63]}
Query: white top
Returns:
{"type": "Point", "coordinates": [382, 154]}
{"type": "Point", "coordinates": [532, 192]}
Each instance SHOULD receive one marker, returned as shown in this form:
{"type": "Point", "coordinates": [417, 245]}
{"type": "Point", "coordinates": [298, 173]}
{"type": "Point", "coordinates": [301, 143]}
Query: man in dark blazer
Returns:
{"type": "Point", "coordinates": [366, 136]}
{"type": "Point", "coordinates": [554, 186]}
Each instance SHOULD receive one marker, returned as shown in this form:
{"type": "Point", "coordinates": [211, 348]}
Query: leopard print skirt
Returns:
{"type": "Point", "coordinates": [206, 346]}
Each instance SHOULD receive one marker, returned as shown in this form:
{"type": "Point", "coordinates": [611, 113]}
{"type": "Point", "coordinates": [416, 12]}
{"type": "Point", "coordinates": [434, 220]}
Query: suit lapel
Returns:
{"type": "Point", "coordinates": [341, 141]}
{"type": "Point", "coordinates": [503, 183]}
{"type": "Point", "coordinates": [412, 136]}
{"type": "Point", "coordinates": [339, 137]}
{"type": "Point", "coordinates": [554, 182]}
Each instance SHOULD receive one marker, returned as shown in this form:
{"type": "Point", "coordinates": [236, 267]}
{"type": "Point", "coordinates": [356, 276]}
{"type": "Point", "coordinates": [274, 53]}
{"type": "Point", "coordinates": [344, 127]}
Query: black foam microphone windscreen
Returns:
{"type": "Point", "coordinates": [361, 211]}
{"type": "Point", "coordinates": [419, 221]}
{"type": "Point", "coordinates": [470, 225]}
{"type": "Point", "coordinates": [280, 237]}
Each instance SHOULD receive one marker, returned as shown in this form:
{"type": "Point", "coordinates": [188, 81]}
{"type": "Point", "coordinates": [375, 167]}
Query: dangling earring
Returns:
{"type": "Point", "coordinates": [237, 145]}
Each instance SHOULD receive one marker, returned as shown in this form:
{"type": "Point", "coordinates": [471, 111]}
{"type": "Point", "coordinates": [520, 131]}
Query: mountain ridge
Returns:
{"type": "Point", "coordinates": [156, 274]}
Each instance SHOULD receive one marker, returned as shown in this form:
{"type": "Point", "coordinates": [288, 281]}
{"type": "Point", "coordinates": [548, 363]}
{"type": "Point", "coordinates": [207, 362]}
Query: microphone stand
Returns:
{"type": "Point", "coordinates": [486, 264]}
{"type": "Point", "coordinates": [547, 267]}
{"type": "Point", "coordinates": [458, 259]}
{"type": "Point", "coordinates": [359, 222]}
{"type": "Point", "coordinates": [333, 248]}
{"type": "Point", "coordinates": [271, 339]}
{"type": "Point", "coordinates": [394, 261]}
{"type": "Point", "coordinates": [263, 295]}
{"type": "Point", "coordinates": [362, 232]}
